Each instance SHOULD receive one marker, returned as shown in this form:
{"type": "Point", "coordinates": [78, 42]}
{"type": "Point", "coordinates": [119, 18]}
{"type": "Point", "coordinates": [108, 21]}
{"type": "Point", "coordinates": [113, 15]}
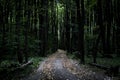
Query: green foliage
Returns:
{"type": "Point", "coordinates": [74, 56]}
{"type": "Point", "coordinates": [36, 61]}
{"type": "Point", "coordinates": [7, 63]}
{"type": "Point", "coordinates": [105, 61]}
{"type": "Point", "coordinates": [90, 5]}
{"type": "Point", "coordinates": [7, 67]}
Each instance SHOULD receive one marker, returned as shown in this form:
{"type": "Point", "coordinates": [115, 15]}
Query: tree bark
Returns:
{"type": "Point", "coordinates": [67, 22]}
{"type": "Point", "coordinates": [81, 29]}
{"type": "Point", "coordinates": [18, 51]}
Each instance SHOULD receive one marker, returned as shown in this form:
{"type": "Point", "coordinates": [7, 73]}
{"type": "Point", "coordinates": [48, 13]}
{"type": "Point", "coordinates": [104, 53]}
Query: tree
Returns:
{"type": "Point", "coordinates": [117, 28]}
{"type": "Point", "coordinates": [27, 23]}
{"type": "Point", "coordinates": [108, 20]}
{"type": "Point", "coordinates": [67, 25]}
{"type": "Point", "coordinates": [18, 18]}
{"type": "Point", "coordinates": [80, 23]}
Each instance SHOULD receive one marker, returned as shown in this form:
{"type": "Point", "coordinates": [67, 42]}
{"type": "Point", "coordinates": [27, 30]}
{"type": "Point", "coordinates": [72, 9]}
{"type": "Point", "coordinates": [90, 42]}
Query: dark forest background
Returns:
{"type": "Point", "coordinates": [86, 29]}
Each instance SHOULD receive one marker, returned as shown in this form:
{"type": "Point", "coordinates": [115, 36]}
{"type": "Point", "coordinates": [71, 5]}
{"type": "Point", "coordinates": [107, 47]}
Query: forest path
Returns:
{"type": "Point", "coordinates": [59, 67]}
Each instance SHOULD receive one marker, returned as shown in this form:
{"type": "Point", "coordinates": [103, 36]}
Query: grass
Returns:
{"type": "Point", "coordinates": [36, 61]}
{"type": "Point", "coordinates": [108, 62]}
{"type": "Point", "coordinates": [105, 61]}
{"type": "Point", "coordinates": [7, 73]}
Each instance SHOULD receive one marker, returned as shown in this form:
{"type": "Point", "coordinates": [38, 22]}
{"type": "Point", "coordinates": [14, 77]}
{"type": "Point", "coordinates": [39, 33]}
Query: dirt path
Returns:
{"type": "Point", "coordinates": [59, 67]}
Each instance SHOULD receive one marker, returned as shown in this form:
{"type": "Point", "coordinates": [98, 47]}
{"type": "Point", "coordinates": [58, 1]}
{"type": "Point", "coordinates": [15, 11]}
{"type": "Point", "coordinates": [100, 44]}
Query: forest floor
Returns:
{"type": "Point", "coordinates": [59, 67]}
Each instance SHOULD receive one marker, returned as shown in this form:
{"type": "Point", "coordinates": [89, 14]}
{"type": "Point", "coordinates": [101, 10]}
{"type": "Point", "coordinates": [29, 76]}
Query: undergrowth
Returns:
{"type": "Point", "coordinates": [8, 72]}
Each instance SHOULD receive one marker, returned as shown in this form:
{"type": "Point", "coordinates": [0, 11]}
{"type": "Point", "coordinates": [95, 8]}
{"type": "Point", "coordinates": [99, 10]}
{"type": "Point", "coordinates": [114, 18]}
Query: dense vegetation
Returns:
{"type": "Point", "coordinates": [33, 29]}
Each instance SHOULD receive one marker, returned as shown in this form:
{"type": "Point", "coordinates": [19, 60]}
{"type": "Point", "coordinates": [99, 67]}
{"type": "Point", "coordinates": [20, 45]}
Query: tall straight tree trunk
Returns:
{"type": "Point", "coordinates": [54, 26]}
{"type": "Point", "coordinates": [27, 25]}
{"type": "Point", "coordinates": [70, 21]}
{"type": "Point", "coordinates": [67, 22]}
{"type": "Point", "coordinates": [18, 51]}
{"type": "Point", "coordinates": [46, 28]}
{"type": "Point", "coordinates": [117, 19]}
{"type": "Point", "coordinates": [4, 19]}
{"type": "Point", "coordinates": [73, 20]}
{"type": "Point", "coordinates": [41, 29]}
{"type": "Point", "coordinates": [100, 23]}
{"type": "Point", "coordinates": [35, 18]}
{"type": "Point", "coordinates": [100, 35]}
{"type": "Point", "coordinates": [2, 30]}
{"type": "Point", "coordinates": [108, 25]}
{"type": "Point", "coordinates": [80, 23]}
{"type": "Point", "coordinates": [82, 32]}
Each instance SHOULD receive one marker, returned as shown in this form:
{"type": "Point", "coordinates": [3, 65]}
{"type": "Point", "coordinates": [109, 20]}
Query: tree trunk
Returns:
{"type": "Point", "coordinates": [26, 30]}
{"type": "Point", "coordinates": [67, 22]}
{"type": "Point", "coordinates": [19, 52]}
{"type": "Point", "coordinates": [108, 25]}
{"type": "Point", "coordinates": [81, 29]}
{"type": "Point", "coordinates": [100, 24]}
